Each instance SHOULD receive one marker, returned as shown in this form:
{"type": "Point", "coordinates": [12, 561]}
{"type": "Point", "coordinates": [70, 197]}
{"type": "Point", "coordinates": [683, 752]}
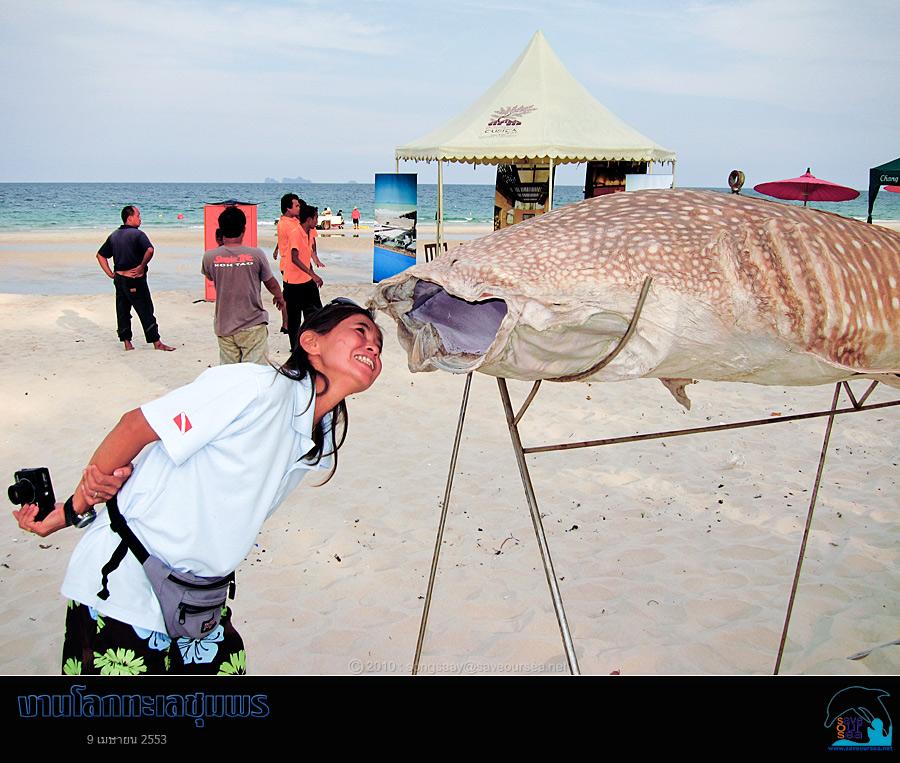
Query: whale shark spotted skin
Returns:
{"type": "Point", "coordinates": [742, 290]}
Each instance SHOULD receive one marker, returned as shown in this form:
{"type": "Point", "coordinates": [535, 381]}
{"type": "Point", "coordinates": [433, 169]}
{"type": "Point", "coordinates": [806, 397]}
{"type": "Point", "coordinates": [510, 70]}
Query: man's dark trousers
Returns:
{"type": "Point", "coordinates": [302, 301]}
{"type": "Point", "coordinates": [134, 292]}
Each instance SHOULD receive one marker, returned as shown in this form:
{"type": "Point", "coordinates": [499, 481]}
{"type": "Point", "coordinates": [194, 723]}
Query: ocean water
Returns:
{"type": "Point", "coordinates": [97, 205]}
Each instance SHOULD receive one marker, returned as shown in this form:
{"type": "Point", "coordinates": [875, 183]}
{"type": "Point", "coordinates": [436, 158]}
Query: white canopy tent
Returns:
{"type": "Point", "coordinates": [538, 112]}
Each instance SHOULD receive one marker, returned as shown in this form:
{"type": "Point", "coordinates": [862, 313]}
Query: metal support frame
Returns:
{"type": "Point", "coordinates": [513, 419]}
{"type": "Point", "coordinates": [712, 428]}
{"type": "Point", "coordinates": [511, 422]}
{"type": "Point", "coordinates": [809, 516]}
{"type": "Point", "coordinates": [629, 332]}
{"type": "Point", "coordinates": [442, 523]}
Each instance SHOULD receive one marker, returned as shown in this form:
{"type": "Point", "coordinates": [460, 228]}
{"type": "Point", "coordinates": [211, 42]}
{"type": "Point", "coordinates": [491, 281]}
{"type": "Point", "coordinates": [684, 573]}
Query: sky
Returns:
{"type": "Point", "coordinates": [162, 91]}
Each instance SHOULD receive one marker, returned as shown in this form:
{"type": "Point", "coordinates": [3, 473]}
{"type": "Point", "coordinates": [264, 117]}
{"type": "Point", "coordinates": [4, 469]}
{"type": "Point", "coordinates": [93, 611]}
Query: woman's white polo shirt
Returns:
{"type": "Point", "coordinates": [230, 450]}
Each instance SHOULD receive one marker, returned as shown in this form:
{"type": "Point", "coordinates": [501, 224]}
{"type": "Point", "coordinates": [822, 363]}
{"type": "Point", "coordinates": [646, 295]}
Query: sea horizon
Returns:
{"type": "Point", "coordinates": [96, 205]}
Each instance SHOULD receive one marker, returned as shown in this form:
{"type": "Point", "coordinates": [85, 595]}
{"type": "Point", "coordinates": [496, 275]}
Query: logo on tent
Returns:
{"type": "Point", "coordinates": [505, 120]}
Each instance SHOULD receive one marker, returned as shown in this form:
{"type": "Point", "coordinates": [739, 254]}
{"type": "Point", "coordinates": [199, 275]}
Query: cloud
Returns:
{"type": "Point", "coordinates": [824, 57]}
{"type": "Point", "coordinates": [832, 32]}
{"type": "Point", "coordinates": [169, 34]}
{"type": "Point", "coordinates": [165, 90]}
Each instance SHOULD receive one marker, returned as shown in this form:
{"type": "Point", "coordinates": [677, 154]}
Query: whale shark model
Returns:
{"type": "Point", "coordinates": [742, 290]}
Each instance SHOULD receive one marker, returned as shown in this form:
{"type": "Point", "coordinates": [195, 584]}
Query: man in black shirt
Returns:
{"type": "Point", "coordinates": [131, 250]}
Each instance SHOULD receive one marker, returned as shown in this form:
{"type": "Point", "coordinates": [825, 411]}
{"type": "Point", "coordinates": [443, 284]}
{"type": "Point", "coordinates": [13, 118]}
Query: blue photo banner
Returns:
{"type": "Point", "coordinates": [395, 224]}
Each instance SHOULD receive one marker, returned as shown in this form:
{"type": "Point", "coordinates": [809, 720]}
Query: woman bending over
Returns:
{"type": "Point", "coordinates": [212, 461]}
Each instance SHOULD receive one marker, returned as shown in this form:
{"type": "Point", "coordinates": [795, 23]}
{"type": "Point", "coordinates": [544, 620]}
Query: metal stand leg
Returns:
{"type": "Point", "coordinates": [511, 422]}
{"type": "Point", "coordinates": [440, 534]}
{"type": "Point", "coordinates": [809, 516]}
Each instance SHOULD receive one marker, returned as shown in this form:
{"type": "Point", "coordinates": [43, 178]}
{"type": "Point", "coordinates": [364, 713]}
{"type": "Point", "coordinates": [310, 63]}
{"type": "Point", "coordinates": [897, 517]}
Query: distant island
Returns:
{"type": "Point", "coordinates": [295, 181]}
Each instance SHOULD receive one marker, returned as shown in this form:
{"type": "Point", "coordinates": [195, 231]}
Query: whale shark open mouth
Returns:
{"type": "Point", "coordinates": [505, 334]}
{"type": "Point", "coordinates": [465, 328]}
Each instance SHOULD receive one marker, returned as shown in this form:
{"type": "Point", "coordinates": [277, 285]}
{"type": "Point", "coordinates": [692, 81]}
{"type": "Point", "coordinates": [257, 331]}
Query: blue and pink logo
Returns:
{"type": "Point", "coordinates": [859, 719]}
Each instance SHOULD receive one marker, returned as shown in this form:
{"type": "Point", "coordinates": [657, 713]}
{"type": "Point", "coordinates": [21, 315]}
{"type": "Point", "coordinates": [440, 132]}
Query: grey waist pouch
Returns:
{"type": "Point", "coordinates": [191, 605]}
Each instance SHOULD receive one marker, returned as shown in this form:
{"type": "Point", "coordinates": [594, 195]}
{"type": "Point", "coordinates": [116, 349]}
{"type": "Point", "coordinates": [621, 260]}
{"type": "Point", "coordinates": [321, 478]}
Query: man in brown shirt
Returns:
{"type": "Point", "coordinates": [237, 271]}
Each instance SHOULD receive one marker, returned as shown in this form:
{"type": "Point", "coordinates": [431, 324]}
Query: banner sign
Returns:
{"type": "Point", "coordinates": [395, 224]}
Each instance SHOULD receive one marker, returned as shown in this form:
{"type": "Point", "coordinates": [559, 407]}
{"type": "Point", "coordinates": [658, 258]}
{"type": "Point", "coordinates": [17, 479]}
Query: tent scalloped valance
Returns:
{"type": "Point", "coordinates": [415, 156]}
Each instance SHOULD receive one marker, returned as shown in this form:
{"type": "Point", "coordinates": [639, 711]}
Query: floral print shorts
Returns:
{"type": "Point", "coordinates": [98, 645]}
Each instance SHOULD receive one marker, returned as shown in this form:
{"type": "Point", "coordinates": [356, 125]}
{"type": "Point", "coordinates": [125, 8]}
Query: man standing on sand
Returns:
{"type": "Point", "coordinates": [301, 284]}
{"type": "Point", "coordinates": [354, 215]}
{"type": "Point", "coordinates": [131, 250]}
{"type": "Point", "coordinates": [289, 203]}
{"type": "Point", "coordinates": [313, 233]}
{"type": "Point", "coordinates": [237, 271]}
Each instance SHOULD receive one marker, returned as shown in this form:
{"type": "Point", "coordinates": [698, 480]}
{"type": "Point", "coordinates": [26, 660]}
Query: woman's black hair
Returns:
{"type": "Point", "coordinates": [298, 367]}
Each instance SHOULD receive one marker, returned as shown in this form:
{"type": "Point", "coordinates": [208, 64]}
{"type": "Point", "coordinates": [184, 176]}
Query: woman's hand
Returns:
{"type": "Point", "coordinates": [98, 487]}
{"type": "Point", "coordinates": [54, 521]}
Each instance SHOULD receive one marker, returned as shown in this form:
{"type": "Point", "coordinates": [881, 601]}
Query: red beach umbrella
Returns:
{"type": "Point", "coordinates": [892, 188]}
{"type": "Point", "coordinates": [807, 188]}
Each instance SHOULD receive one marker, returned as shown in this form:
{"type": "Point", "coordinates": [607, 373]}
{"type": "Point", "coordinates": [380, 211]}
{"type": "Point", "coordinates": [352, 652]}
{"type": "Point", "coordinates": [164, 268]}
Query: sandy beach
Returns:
{"type": "Point", "coordinates": [673, 556]}
{"type": "Point", "coordinates": [67, 262]}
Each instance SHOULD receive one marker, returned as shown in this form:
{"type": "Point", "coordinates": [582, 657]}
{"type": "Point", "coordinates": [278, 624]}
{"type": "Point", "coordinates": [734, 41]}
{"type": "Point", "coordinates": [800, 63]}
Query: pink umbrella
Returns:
{"type": "Point", "coordinates": [807, 188]}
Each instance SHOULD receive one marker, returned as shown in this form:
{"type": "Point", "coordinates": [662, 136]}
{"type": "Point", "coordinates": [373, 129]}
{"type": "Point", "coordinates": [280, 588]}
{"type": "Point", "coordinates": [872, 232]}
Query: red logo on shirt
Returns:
{"type": "Point", "coordinates": [183, 423]}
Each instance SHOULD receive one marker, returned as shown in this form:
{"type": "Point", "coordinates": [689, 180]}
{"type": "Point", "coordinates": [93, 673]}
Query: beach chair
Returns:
{"type": "Point", "coordinates": [431, 251]}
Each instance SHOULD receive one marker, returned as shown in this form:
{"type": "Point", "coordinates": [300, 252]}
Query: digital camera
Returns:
{"type": "Point", "coordinates": [33, 486]}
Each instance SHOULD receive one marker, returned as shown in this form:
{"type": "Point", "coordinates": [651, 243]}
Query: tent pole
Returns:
{"type": "Point", "coordinates": [673, 173]}
{"type": "Point", "coordinates": [443, 522]}
{"type": "Point", "coordinates": [874, 186]}
{"type": "Point", "coordinates": [550, 191]}
{"type": "Point", "coordinates": [568, 645]}
{"type": "Point", "coordinates": [809, 516]}
{"type": "Point", "coordinates": [440, 207]}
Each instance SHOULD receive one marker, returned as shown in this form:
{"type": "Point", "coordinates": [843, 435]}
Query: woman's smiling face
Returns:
{"type": "Point", "coordinates": [350, 354]}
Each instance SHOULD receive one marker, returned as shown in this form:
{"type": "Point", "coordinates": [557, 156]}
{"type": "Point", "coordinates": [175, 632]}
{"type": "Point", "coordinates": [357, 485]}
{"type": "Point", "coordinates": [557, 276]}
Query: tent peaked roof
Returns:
{"type": "Point", "coordinates": [536, 110]}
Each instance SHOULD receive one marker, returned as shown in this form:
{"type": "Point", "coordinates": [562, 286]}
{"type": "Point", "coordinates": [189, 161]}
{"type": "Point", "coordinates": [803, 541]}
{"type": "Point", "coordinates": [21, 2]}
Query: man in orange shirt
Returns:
{"type": "Point", "coordinates": [313, 233]}
{"type": "Point", "coordinates": [301, 284]}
